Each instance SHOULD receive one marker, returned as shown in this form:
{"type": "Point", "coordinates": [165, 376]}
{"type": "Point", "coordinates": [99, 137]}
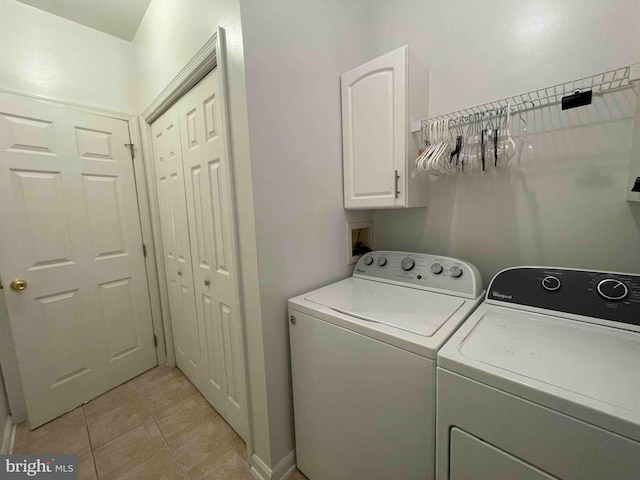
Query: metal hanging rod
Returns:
{"type": "Point", "coordinates": [598, 84]}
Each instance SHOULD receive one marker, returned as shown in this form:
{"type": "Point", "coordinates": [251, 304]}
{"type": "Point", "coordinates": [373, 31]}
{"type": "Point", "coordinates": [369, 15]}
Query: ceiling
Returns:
{"type": "Point", "coordinates": [119, 18]}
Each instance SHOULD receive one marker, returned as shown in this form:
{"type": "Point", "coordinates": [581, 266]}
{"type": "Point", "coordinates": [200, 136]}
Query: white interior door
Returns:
{"type": "Point", "coordinates": [211, 217]}
{"type": "Point", "coordinates": [175, 242]}
{"type": "Point", "coordinates": [71, 230]}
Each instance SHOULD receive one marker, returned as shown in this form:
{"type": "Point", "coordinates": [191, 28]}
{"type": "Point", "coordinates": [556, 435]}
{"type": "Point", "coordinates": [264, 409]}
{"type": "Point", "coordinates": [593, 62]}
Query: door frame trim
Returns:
{"type": "Point", "coordinates": [211, 55]}
{"type": "Point", "coordinates": [205, 60]}
{"type": "Point", "coordinates": [14, 388]}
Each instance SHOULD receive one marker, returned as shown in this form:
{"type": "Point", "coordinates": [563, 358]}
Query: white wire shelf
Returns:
{"type": "Point", "coordinates": [598, 84]}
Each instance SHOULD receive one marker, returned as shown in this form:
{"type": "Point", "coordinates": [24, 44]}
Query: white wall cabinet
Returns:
{"type": "Point", "coordinates": [193, 175]}
{"type": "Point", "coordinates": [379, 99]}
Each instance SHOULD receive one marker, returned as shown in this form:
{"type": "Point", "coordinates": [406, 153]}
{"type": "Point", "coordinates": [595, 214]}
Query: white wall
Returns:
{"type": "Point", "coordinates": [169, 36]}
{"type": "Point", "coordinates": [43, 54]}
{"type": "Point", "coordinates": [172, 32]}
{"type": "Point", "coordinates": [294, 53]}
{"type": "Point", "coordinates": [565, 203]}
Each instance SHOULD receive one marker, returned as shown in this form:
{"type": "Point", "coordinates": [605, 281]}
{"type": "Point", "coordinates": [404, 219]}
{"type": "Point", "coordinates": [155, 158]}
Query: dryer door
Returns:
{"type": "Point", "coordinates": [473, 459]}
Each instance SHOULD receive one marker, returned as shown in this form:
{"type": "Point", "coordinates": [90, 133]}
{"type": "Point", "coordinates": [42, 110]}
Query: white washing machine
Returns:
{"type": "Point", "coordinates": [543, 380]}
{"type": "Point", "coordinates": [363, 354]}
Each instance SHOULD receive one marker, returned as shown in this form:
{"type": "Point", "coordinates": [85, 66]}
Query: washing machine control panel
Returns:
{"type": "Point", "coordinates": [604, 295]}
{"type": "Point", "coordinates": [420, 270]}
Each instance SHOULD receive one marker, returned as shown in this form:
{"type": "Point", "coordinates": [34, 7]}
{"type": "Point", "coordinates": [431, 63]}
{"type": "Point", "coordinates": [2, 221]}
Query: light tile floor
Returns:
{"type": "Point", "coordinates": [154, 427]}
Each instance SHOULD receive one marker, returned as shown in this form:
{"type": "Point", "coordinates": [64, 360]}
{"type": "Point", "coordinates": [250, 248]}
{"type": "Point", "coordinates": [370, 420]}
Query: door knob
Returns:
{"type": "Point", "coordinates": [206, 283]}
{"type": "Point", "coordinates": [18, 284]}
{"type": "Point", "coordinates": [179, 272]}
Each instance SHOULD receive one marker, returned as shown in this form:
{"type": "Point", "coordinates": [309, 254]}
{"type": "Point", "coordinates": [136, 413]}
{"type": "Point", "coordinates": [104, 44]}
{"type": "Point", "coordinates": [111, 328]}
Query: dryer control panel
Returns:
{"type": "Point", "coordinates": [423, 271]}
{"type": "Point", "coordinates": [603, 295]}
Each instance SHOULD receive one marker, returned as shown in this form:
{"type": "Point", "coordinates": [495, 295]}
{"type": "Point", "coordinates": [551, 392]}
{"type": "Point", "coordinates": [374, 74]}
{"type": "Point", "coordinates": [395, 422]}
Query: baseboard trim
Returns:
{"type": "Point", "coordinates": [281, 471]}
{"type": "Point", "coordinates": [8, 436]}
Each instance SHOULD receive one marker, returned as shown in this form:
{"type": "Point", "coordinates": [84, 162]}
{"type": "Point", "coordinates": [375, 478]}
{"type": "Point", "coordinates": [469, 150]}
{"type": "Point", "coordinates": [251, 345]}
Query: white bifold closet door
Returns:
{"type": "Point", "coordinates": [193, 175]}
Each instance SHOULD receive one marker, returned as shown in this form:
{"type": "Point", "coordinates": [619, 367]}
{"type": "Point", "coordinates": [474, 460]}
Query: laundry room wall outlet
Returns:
{"type": "Point", "coordinates": [359, 240]}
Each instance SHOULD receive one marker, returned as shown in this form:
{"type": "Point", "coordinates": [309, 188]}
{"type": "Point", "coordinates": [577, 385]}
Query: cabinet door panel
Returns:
{"type": "Point", "coordinates": [374, 126]}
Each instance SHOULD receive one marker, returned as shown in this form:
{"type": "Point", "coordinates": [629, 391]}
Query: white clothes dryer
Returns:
{"type": "Point", "coordinates": [543, 380]}
{"type": "Point", "coordinates": [363, 354]}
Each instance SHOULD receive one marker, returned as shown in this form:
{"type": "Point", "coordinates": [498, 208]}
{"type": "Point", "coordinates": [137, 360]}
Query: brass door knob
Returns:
{"type": "Point", "coordinates": [18, 284]}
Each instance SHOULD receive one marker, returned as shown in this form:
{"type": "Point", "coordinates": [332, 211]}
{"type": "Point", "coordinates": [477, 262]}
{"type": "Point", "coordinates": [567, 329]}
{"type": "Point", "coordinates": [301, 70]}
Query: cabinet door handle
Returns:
{"type": "Point", "coordinates": [397, 178]}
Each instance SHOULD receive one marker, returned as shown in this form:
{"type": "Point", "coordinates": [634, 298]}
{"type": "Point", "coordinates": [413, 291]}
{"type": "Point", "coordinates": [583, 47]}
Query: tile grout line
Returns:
{"type": "Point", "coordinates": [173, 455]}
{"type": "Point", "coordinates": [152, 454]}
{"type": "Point", "coordinates": [119, 435]}
{"type": "Point", "coordinates": [131, 429]}
{"type": "Point", "coordinates": [86, 426]}
{"type": "Point", "coordinates": [155, 419]}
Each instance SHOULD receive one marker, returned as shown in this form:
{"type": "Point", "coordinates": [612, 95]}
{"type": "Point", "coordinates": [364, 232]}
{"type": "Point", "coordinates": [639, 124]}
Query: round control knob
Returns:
{"type": "Point", "coordinates": [611, 289]}
{"type": "Point", "coordinates": [551, 283]}
{"type": "Point", "coordinates": [407, 263]}
{"type": "Point", "coordinates": [382, 262]}
{"type": "Point", "coordinates": [436, 269]}
{"type": "Point", "coordinates": [455, 271]}
{"type": "Point", "coordinates": [368, 260]}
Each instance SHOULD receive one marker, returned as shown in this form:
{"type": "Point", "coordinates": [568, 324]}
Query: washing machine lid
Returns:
{"type": "Point", "coordinates": [416, 311]}
{"type": "Point", "coordinates": [597, 362]}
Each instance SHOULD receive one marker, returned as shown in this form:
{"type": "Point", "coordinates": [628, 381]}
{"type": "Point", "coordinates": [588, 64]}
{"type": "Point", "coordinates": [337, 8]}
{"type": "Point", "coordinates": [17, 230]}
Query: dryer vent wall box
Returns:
{"type": "Point", "coordinates": [380, 100]}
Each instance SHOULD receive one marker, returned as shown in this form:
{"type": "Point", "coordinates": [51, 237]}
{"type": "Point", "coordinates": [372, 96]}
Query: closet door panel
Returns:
{"type": "Point", "coordinates": [192, 140]}
{"type": "Point", "coordinates": [175, 240]}
{"type": "Point", "coordinates": [197, 155]}
{"type": "Point", "coordinates": [206, 164]}
{"type": "Point", "coordinates": [215, 353]}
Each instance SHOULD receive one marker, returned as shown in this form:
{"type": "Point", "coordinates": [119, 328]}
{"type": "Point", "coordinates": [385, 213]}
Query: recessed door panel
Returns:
{"type": "Point", "coordinates": [105, 217]}
{"type": "Point", "coordinates": [210, 123]}
{"type": "Point", "coordinates": [94, 145]}
{"type": "Point", "coordinates": [217, 198]}
{"type": "Point", "coordinates": [231, 336]}
{"type": "Point", "coordinates": [41, 209]}
{"type": "Point", "coordinates": [371, 97]}
{"type": "Point", "coordinates": [66, 333]}
{"type": "Point", "coordinates": [177, 317]}
{"type": "Point", "coordinates": [117, 309]}
{"type": "Point", "coordinates": [28, 135]}
{"type": "Point", "coordinates": [198, 225]}
{"type": "Point", "coordinates": [214, 338]}
{"type": "Point", "coordinates": [167, 221]}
